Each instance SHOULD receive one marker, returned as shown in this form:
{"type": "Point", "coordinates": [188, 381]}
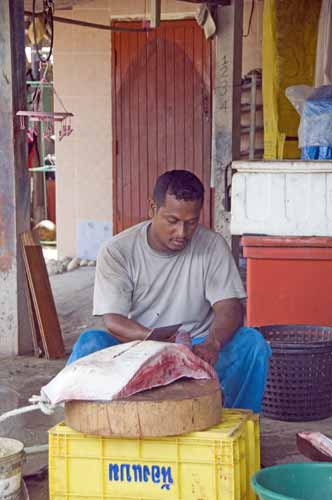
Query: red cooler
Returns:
{"type": "Point", "coordinates": [289, 280]}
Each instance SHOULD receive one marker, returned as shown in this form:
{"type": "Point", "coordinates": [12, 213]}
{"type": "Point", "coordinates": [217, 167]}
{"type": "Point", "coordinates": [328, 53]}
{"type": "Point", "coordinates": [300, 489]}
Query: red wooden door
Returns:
{"type": "Point", "coordinates": [161, 109]}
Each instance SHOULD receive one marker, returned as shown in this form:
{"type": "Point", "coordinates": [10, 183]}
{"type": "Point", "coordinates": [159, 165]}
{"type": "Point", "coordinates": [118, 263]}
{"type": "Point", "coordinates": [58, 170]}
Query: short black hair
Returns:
{"type": "Point", "coordinates": [182, 184]}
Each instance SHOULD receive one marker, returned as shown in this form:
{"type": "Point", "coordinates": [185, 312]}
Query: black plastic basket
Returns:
{"type": "Point", "coordinates": [299, 386]}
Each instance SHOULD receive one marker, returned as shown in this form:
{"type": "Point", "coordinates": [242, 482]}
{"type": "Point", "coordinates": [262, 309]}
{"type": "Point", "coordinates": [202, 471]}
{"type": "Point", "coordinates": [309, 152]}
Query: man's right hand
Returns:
{"type": "Point", "coordinates": [125, 329]}
{"type": "Point", "coordinates": [164, 333]}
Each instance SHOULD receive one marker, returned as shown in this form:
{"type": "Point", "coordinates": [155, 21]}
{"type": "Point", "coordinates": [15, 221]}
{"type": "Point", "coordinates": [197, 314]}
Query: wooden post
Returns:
{"type": "Point", "coordinates": [38, 201]}
{"type": "Point", "coordinates": [226, 127]}
{"type": "Point", "coordinates": [15, 334]}
{"type": "Point", "coordinates": [155, 13]}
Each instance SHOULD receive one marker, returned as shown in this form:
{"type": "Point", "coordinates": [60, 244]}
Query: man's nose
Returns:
{"type": "Point", "coordinates": [181, 230]}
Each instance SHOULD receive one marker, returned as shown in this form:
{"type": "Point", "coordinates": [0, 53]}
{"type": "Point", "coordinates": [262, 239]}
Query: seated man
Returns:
{"type": "Point", "coordinates": [171, 270]}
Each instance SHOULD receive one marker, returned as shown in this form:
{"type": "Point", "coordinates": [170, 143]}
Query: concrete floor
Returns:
{"type": "Point", "coordinates": [23, 376]}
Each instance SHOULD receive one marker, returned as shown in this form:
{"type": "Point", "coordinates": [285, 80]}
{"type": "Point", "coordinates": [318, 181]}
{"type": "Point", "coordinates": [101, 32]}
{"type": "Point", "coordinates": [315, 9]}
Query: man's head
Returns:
{"type": "Point", "coordinates": [177, 202]}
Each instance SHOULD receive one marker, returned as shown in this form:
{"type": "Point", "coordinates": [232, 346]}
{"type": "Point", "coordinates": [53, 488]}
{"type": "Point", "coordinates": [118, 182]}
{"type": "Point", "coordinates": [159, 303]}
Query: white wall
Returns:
{"type": "Point", "coordinates": [82, 78]}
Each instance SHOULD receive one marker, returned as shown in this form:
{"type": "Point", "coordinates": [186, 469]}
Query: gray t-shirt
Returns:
{"type": "Point", "coordinates": [159, 289]}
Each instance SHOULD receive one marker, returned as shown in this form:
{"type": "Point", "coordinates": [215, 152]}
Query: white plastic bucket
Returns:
{"type": "Point", "coordinates": [11, 459]}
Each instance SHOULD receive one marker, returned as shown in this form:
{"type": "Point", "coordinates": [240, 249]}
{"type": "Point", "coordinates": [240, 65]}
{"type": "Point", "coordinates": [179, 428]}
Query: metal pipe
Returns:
{"type": "Point", "coordinates": [93, 25]}
{"type": "Point", "coordinates": [252, 134]}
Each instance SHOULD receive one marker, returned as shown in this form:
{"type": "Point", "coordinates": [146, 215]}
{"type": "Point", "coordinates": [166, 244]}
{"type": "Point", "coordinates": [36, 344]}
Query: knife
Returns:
{"type": "Point", "coordinates": [163, 333]}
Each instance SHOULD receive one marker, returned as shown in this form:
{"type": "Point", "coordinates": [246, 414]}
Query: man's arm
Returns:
{"type": "Point", "coordinates": [124, 329]}
{"type": "Point", "coordinates": [228, 317]}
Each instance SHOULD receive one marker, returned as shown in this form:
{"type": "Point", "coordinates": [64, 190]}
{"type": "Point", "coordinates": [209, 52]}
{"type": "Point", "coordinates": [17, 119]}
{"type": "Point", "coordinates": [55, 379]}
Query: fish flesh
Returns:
{"type": "Point", "coordinates": [126, 369]}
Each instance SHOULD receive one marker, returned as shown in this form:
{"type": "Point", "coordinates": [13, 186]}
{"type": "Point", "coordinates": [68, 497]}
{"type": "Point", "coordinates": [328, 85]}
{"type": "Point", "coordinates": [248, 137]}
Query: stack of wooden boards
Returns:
{"type": "Point", "coordinates": [45, 326]}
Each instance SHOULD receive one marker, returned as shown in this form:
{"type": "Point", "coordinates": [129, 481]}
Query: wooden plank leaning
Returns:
{"type": "Point", "coordinates": [43, 305]}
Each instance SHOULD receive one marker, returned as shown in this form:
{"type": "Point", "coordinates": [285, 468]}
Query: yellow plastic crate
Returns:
{"type": "Point", "coordinates": [215, 464]}
{"type": "Point", "coordinates": [253, 449]}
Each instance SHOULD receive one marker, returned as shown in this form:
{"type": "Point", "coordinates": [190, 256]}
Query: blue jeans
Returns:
{"type": "Point", "coordinates": [242, 366]}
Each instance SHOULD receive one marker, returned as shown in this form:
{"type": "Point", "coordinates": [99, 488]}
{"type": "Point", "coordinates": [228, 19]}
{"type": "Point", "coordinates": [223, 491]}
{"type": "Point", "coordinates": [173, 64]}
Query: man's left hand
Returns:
{"type": "Point", "coordinates": [227, 319]}
{"type": "Point", "coordinates": [208, 351]}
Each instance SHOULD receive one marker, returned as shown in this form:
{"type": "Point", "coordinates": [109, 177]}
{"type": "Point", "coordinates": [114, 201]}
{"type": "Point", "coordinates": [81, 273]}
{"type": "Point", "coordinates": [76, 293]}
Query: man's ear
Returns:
{"type": "Point", "coordinates": [152, 208]}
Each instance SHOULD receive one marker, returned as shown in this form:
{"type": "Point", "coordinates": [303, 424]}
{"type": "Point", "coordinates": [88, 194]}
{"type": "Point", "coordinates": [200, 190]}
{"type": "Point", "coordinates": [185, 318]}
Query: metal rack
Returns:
{"type": "Point", "coordinates": [253, 83]}
{"type": "Point", "coordinates": [47, 106]}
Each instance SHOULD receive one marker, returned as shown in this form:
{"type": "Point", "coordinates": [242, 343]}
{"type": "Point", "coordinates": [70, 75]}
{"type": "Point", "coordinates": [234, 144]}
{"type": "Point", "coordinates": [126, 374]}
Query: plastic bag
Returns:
{"type": "Point", "coordinates": [297, 94]}
{"type": "Point", "coordinates": [316, 153]}
{"type": "Point", "coordinates": [316, 120]}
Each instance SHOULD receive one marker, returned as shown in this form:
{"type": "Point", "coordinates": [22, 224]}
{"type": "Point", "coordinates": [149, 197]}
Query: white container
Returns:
{"type": "Point", "coordinates": [286, 198]}
{"type": "Point", "coordinates": [11, 461]}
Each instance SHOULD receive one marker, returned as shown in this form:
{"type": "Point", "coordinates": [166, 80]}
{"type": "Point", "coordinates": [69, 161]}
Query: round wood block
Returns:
{"type": "Point", "coordinates": [178, 408]}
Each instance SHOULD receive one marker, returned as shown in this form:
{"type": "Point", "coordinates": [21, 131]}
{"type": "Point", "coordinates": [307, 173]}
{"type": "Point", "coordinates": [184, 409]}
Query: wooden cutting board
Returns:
{"type": "Point", "coordinates": [178, 408]}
